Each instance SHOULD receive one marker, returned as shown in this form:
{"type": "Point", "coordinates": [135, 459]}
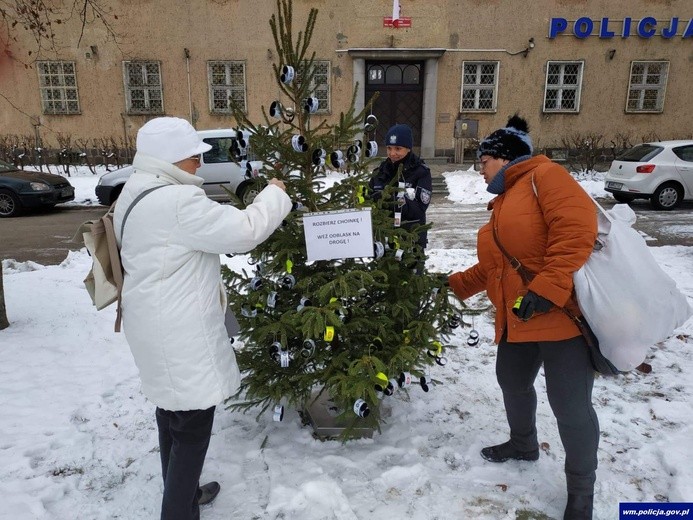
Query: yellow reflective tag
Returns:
{"type": "Point", "coordinates": [329, 333]}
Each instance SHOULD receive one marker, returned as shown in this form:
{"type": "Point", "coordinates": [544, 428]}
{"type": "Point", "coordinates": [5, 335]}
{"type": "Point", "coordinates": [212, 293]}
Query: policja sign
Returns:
{"type": "Point", "coordinates": [331, 235]}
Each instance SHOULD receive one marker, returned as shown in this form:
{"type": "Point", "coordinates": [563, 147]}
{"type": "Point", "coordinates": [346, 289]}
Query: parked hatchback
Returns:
{"type": "Point", "coordinates": [20, 190]}
{"type": "Point", "coordinates": [661, 172]}
{"type": "Point", "coordinates": [217, 168]}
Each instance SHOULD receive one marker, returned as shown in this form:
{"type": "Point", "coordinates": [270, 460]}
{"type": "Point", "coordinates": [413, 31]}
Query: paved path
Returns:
{"type": "Point", "coordinates": [455, 225]}
{"type": "Point", "coordinates": [44, 236]}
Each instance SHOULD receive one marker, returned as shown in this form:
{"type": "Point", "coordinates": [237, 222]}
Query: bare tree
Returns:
{"type": "Point", "coordinates": [42, 20]}
{"type": "Point", "coordinates": [84, 154]}
{"type": "Point", "coordinates": [650, 137]}
{"type": "Point", "coordinates": [621, 142]}
{"type": "Point", "coordinates": [584, 149]}
{"type": "Point", "coordinates": [108, 149]}
{"type": "Point", "coordinates": [18, 151]}
{"type": "Point", "coordinates": [128, 145]}
{"type": "Point", "coordinates": [65, 153]}
{"type": "Point", "coordinates": [113, 153]}
{"type": "Point", "coordinates": [5, 147]}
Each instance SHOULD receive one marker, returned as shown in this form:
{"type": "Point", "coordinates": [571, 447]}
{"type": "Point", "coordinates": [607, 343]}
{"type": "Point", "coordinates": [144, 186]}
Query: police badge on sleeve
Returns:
{"type": "Point", "coordinates": [425, 195]}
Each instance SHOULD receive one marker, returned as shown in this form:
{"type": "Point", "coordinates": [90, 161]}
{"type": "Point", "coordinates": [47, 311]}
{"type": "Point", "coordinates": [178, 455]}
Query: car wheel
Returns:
{"type": "Point", "coordinates": [9, 204]}
{"type": "Point", "coordinates": [667, 196]}
{"type": "Point", "coordinates": [248, 191]}
{"type": "Point", "coordinates": [620, 197]}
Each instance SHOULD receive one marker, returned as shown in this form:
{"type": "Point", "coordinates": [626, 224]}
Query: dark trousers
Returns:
{"type": "Point", "coordinates": [183, 441]}
{"type": "Point", "coordinates": [569, 380]}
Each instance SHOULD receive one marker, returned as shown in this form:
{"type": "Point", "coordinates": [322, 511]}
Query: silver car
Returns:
{"type": "Point", "coordinates": [660, 171]}
{"type": "Point", "coordinates": [217, 168]}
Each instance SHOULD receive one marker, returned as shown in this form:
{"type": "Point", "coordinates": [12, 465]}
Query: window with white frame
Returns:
{"type": "Point", "coordinates": [563, 86]}
{"type": "Point", "coordinates": [479, 86]}
{"type": "Point", "coordinates": [320, 87]}
{"type": "Point", "coordinates": [143, 91]}
{"type": "Point", "coordinates": [226, 84]}
{"type": "Point", "coordinates": [58, 84]}
{"type": "Point", "coordinates": [648, 83]}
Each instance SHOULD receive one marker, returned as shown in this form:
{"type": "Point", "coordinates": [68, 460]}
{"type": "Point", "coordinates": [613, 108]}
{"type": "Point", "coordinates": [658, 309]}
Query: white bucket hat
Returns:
{"type": "Point", "coordinates": [170, 139]}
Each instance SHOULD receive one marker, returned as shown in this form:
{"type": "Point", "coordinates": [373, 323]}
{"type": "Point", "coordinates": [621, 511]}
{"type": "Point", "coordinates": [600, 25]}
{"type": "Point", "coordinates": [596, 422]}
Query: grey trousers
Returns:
{"type": "Point", "coordinates": [183, 440]}
{"type": "Point", "coordinates": [569, 380]}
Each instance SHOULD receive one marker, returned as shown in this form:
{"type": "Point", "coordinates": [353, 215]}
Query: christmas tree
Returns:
{"type": "Point", "coordinates": [359, 328]}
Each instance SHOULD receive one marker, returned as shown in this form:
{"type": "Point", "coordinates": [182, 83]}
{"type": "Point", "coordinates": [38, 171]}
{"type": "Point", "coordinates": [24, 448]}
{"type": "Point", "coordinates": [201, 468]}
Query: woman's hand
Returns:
{"type": "Point", "coordinates": [279, 184]}
{"type": "Point", "coordinates": [532, 303]}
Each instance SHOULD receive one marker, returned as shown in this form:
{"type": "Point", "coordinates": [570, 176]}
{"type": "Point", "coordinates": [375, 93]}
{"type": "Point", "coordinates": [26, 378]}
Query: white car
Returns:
{"type": "Point", "coordinates": [659, 171]}
{"type": "Point", "coordinates": [217, 168]}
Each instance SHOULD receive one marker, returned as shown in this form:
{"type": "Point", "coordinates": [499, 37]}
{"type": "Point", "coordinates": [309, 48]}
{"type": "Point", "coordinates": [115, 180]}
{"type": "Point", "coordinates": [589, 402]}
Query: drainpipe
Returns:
{"type": "Point", "coordinates": [125, 138]}
{"type": "Point", "coordinates": [187, 71]}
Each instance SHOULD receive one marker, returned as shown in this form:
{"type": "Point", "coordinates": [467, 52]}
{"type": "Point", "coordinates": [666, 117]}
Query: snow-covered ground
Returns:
{"type": "Point", "coordinates": [78, 440]}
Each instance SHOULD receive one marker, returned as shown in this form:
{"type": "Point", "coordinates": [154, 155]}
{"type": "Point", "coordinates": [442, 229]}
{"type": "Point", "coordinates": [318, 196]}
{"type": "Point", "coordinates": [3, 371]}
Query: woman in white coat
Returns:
{"type": "Point", "coordinates": [173, 301]}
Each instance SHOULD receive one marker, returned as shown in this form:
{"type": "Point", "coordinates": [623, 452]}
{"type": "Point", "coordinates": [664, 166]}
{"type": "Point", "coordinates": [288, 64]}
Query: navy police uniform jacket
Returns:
{"type": "Point", "coordinates": [415, 175]}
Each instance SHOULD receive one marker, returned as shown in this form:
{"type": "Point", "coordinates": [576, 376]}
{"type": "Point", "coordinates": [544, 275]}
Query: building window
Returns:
{"type": "Point", "coordinates": [143, 92]}
{"type": "Point", "coordinates": [58, 83]}
{"type": "Point", "coordinates": [563, 86]}
{"type": "Point", "coordinates": [320, 87]}
{"type": "Point", "coordinates": [479, 86]}
{"type": "Point", "coordinates": [648, 83]}
{"type": "Point", "coordinates": [226, 83]}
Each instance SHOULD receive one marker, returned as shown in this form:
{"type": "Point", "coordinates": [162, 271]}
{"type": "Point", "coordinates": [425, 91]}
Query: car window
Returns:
{"type": "Point", "coordinates": [640, 153]}
{"type": "Point", "coordinates": [685, 153]}
{"type": "Point", "coordinates": [7, 167]}
{"type": "Point", "coordinates": [220, 150]}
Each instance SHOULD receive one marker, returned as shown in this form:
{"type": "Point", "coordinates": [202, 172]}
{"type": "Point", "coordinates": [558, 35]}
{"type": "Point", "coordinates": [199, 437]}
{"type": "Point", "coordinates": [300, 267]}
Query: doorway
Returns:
{"type": "Point", "coordinates": [400, 101]}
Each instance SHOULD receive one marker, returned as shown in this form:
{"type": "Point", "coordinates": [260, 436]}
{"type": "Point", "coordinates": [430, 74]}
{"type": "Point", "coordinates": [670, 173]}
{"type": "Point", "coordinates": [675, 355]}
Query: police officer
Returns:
{"type": "Point", "coordinates": [413, 185]}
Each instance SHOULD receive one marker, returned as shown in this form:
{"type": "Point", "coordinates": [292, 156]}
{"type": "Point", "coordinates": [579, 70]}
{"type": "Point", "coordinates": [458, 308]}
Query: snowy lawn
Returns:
{"type": "Point", "coordinates": [78, 440]}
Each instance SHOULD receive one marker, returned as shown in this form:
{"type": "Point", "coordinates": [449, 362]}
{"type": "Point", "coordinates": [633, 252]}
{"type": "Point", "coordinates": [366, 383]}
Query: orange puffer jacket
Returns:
{"type": "Point", "coordinates": [551, 232]}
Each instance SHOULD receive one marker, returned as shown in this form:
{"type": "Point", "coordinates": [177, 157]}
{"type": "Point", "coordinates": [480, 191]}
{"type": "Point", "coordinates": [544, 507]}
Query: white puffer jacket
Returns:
{"type": "Point", "coordinates": [173, 301]}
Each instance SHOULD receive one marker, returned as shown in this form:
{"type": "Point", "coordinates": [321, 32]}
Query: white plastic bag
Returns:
{"type": "Point", "coordinates": [627, 299]}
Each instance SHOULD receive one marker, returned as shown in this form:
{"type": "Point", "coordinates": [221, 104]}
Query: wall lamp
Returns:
{"type": "Point", "coordinates": [525, 51]}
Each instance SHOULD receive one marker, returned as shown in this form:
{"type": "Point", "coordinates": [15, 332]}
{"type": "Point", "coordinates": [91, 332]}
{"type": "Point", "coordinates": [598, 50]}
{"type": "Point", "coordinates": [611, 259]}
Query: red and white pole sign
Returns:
{"type": "Point", "coordinates": [396, 20]}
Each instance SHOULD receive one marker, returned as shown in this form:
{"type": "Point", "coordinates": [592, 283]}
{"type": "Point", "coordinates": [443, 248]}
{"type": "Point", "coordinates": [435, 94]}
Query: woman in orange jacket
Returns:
{"type": "Point", "coordinates": [542, 218]}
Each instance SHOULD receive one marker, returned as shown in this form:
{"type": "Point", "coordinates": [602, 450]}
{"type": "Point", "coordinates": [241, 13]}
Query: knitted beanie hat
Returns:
{"type": "Point", "coordinates": [510, 142]}
{"type": "Point", "coordinates": [399, 135]}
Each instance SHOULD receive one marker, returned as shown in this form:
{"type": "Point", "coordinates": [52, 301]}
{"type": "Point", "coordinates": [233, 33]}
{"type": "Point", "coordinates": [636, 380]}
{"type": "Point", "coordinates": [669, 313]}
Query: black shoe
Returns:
{"type": "Point", "coordinates": [579, 507]}
{"type": "Point", "coordinates": [208, 493]}
{"type": "Point", "coordinates": [506, 451]}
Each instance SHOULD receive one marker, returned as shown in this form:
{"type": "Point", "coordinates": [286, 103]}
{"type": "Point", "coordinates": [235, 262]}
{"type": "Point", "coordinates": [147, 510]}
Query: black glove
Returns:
{"type": "Point", "coordinates": [531, 303]}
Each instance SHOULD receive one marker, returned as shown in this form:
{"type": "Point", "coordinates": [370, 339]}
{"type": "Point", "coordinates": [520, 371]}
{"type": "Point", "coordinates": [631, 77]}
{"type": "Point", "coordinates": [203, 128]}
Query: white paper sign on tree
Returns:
{"type": "Point", "coordinates": [332, 235]}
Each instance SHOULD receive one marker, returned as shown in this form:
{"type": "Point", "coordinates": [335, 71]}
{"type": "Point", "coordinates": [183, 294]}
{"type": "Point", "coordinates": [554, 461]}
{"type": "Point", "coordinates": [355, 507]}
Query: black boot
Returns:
{"type": "Point", "coordinates": [207, 493]}
{"type": "Point", "coordinates": [506, 451]}
{"type": "Point", "coordinates": [579, 507]}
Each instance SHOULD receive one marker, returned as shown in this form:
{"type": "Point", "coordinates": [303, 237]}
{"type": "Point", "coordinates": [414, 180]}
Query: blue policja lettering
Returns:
{"type": "Point", "coordinates": [670, 32]}
{"type": "Point", "coordinates": [557, 26]}
{"type": "Point", "coordinates": [647, 27]}
{"type": "Point", "coordinates": [625, 33]}
{"type": "Point", "coordinates": [583, 27]}
{"type": "Point", "coordinates": [688, 33]}
{"type": "Point", "coordinates": [604, 31]}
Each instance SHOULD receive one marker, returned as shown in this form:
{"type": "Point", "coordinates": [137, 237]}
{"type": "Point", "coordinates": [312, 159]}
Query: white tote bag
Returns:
{"type": "Point", "coordinates": [627, 299]}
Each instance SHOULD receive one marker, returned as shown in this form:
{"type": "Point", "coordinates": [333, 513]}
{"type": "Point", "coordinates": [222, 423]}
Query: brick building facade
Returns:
{"type": "Point", "coordinates": [622, 70]}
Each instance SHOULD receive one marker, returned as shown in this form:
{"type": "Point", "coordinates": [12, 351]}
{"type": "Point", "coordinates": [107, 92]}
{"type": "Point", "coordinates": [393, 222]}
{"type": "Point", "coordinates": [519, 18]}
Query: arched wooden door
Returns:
{"type": "Point", "coordinates": [401, 96]}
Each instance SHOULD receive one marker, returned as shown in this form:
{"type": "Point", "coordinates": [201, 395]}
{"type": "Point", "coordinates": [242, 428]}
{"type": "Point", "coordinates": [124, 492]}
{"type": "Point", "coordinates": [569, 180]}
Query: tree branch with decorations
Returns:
{"type": "Point", "coordinates": [337, 300]}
